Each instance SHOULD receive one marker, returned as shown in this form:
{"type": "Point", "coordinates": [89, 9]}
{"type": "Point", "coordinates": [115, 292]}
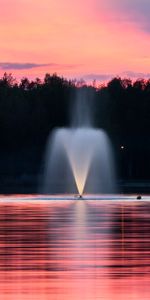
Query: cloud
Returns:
{"type": "Point", "coordinates": [132, 74]}
{"type": "Point", "coordinates": [100, 77]}
{"type": "Point", "coordinates": [106, 77]}
{"type": "Point", "coordinates": [136, 11]}
{"type": "Point", "coordinates": [26, 66]}
{"type": "Point", "coordinates": [21, 66]}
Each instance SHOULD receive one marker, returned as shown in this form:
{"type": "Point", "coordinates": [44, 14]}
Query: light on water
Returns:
{"type": "Point", "coordinates": [78, 250]}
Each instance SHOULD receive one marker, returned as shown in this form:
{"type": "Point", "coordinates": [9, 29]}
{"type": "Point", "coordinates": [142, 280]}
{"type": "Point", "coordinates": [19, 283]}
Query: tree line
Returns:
{"type": "Point", "coordinates": [30, 109]}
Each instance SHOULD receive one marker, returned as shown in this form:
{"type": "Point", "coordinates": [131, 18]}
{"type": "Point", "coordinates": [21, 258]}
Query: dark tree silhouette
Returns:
{"type": "Point", "coordinates": [30, 109]}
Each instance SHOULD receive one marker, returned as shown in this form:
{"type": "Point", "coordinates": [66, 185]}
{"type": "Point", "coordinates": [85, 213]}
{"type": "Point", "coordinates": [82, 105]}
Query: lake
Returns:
{"type": "Point", "coordinates": [74, 249]}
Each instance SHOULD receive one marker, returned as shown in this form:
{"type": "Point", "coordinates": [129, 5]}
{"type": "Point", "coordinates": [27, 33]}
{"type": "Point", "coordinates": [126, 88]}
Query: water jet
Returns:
{"type": "Point", "coordinates": [79, 159]}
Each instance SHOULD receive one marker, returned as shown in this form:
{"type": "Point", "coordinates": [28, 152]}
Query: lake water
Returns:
{"type": "Point", "coordinates": [72, 250]}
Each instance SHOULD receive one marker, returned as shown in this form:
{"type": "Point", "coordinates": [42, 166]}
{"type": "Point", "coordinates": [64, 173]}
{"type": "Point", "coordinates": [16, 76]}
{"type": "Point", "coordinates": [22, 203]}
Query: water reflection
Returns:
{"type": "Point", "coordinates": [74, 250]}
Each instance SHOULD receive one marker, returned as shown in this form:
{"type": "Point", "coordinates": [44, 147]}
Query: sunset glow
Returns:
{"type": "Point", "coordinates": [90, 39]}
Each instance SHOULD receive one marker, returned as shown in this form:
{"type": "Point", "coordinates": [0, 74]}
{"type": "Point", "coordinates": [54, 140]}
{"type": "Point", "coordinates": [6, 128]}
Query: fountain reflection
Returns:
{"type": "Point", "coordinates": [74, 250]}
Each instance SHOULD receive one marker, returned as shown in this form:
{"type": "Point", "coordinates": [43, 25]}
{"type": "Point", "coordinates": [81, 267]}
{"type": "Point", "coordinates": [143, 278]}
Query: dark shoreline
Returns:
{"type": "Point", "coordinates": [30, 186]}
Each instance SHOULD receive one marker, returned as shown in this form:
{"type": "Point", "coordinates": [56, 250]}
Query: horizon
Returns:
{"type": "Point", "coordinates": [78, 82]}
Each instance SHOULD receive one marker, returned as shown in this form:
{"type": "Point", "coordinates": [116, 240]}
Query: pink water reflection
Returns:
{"type": "Point", "coordinates": [62, 250]}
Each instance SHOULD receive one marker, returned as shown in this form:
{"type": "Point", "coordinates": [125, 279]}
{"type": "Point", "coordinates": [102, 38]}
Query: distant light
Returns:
{"type": "Point", "coordinates": [122, 147]}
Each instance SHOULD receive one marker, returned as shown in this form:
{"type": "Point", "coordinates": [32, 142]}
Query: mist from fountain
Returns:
{"type": "Point", "coordinates": [79, 159]}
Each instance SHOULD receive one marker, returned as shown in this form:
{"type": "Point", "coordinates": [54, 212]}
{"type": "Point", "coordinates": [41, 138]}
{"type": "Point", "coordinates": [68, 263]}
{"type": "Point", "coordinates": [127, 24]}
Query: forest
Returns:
{"type": "Point", "coordinates": [31, 109]}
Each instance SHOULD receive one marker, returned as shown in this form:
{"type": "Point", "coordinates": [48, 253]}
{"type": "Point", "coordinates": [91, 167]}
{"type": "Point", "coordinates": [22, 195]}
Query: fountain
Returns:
{"type": "Point", "coordinates": [79, 159]}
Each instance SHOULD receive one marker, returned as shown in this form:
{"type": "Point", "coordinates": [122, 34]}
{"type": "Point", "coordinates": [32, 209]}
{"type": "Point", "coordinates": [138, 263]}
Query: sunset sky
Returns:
{"type": "Point", "coordinates": [89, 39]}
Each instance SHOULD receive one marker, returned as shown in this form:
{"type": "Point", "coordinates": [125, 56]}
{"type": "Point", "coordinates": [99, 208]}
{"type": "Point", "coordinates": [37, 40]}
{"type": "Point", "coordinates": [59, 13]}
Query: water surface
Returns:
{"type": "Point", "coordinates": [62, 250]}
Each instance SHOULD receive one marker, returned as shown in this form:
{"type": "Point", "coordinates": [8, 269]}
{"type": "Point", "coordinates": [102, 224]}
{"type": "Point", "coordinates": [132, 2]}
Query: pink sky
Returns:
{"type": "Point", "coordinates": [91, 39]}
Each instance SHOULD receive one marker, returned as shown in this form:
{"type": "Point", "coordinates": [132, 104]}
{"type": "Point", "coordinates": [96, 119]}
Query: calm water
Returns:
{"type": "Point", "coordinates": [58, 250]}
